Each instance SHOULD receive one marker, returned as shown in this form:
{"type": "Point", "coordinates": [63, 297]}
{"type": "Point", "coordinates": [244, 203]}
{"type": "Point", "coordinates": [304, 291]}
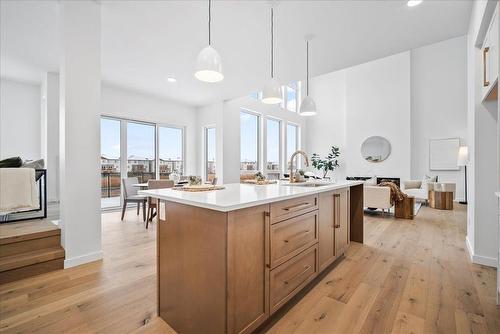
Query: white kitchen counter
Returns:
{"type": "Point", "coordinates": [238, 196]}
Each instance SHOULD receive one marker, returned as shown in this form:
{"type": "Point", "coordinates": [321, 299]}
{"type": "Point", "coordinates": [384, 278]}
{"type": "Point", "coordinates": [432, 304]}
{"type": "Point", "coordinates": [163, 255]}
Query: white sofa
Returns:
{"type": "Point", "coordinates": [377, 197]}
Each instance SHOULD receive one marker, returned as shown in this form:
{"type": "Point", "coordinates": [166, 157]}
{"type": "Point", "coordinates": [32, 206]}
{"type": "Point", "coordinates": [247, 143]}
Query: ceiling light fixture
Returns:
{"type": "Point", "coordinates": [208, 63]}
{"type": "Point", "coordinates": [171, 79]}
{"type": "Point", "coordinates": [413, 3]}
{"type": "Point", "coordinates": [271, 94]}
{"type": "Point", "coordinates": [308, 106]}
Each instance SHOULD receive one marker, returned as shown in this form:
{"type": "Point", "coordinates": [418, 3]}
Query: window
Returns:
{"type": "Point", "coordinates": [291, 96]}
{"type": "Point", "coordinates": [110, 163]}
{"type": "Point", "coordinates": [210, 148]}
{"type": "Point", "coordinates": [249, 142]}
{"type": "Point", "coordinates": [257, 95]}
{"type": "Point", "coordinates": [273, 147]}
{"type": "Point", "coordinates": [170, 146]}
{"type": "Point", "coordinates": [292, 141]}
{"type": "Point", "coordinates": [141, 159]}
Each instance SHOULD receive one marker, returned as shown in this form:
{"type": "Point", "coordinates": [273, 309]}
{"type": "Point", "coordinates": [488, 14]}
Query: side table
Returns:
{"type": "Point", "coordinates": [442, 200]}
{"type": "Point", "coordinates": [404, 209]}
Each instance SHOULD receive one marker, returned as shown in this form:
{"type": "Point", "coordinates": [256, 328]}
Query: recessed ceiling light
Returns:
{"type": "Point", "coordinates": [171, 79]}
{"type": "Point", "coordinates": [413, 3]}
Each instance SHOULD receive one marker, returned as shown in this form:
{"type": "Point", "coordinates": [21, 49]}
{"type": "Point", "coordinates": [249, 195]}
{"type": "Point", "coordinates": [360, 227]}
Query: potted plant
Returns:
{"type": "Point", "coordinates": [330, 163]}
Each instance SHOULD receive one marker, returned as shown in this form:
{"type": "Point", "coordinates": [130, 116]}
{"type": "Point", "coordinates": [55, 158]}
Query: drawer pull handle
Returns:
{"type": "Point", "coordinates": [337, 226]}
{"type": "Point", "coordinates": [296, 236]}
{"type": "Point", "coordinates": [297, 207]}
{"type": "Point", "coordinates": [306, 268]}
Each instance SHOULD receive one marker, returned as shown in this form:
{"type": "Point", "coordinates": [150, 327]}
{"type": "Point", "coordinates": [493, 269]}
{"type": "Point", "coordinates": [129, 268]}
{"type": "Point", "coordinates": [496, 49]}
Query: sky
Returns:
{"type": "Point", "coordinates": [140, 140]}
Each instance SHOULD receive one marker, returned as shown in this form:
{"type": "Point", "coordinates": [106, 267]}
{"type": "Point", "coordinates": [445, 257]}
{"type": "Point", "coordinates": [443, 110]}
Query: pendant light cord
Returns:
{"type": "Point", "coordinates": [209, 21]}
{"type": "Point", "coordinates": [307, 68]}
{"type": "Point", "coordinates": [272, 42]}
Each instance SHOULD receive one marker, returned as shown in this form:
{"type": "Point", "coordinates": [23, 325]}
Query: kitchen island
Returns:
{"type": "Point", "coordinates": [228, 259]}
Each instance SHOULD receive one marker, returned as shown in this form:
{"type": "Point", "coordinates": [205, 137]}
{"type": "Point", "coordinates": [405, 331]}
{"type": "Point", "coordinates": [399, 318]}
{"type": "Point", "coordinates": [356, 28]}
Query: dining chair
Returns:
{"type": "Point", "coordinates": [152, 204]}
{"type": "Point", "coordinates": [131, 196]}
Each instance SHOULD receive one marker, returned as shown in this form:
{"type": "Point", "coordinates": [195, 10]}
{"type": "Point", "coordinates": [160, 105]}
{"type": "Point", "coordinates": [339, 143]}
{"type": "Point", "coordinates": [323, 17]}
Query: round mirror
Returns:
{"type": "Point", "coordinates": [375, 149]}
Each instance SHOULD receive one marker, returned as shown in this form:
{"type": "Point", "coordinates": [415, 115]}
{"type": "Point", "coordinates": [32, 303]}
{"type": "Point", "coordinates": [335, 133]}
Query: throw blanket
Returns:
{"type": "Point", "coordinates": [396, 194]}
{"type": "Point", "coordinates": [17, 190]}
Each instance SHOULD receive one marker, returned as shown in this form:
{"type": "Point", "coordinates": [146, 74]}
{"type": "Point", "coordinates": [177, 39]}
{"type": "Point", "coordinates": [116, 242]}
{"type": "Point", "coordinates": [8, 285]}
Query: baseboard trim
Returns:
{"type": "Point", "coordinates": [83, 259]}
{"type": "Point", "coordinates": [479, 259]}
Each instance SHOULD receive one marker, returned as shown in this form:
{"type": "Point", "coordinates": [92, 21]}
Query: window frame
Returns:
{"type": "Point", "coordinates": [280, 153]}
{"type": "Point", "coordinates": [297, 143]}
{"type": "Point", "coordinates": [205, 148]}
{"type": "Point", "coordinates": [259, 138]}
{"type": "Point", "coordinates": [183, 144]}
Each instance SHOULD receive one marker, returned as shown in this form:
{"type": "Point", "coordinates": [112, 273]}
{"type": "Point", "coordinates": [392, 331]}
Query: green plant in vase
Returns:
{"type": "Point", "coordinates": [330, 163]}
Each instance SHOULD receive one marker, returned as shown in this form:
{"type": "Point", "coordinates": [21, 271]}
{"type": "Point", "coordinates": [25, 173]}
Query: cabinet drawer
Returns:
{"type": "Point", "coordinates": [289, 278]}
{"type": "Point", "coordinates": [292, 236]}
{"type": "Point", "coordinates": [293, 207]}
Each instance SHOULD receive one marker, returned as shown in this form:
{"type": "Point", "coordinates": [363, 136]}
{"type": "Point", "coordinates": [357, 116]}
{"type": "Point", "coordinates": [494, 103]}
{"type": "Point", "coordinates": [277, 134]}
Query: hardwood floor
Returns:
{"type": "Point", "coordinates": [410, 276]}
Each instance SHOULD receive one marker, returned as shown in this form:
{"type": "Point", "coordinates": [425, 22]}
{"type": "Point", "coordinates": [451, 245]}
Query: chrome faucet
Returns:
{"type": "Point", "coordinates": [292, 174]}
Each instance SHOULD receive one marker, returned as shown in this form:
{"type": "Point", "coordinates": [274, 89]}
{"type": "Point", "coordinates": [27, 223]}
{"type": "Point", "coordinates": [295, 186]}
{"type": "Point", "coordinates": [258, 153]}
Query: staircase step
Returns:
{"type": "Point", "coordinates": [30, 258]}
{"type": "Point", "coordinates": [32, 270]}
{"type": "Point", "coordinates": [27, 230]}
{"type": "Point", "coordinates": [16, 248]}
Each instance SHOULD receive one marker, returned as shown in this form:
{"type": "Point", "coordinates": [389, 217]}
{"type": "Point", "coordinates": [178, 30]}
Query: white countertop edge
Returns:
{"type": "Point", "coordinates": [497, 194]}
{"type": "Point", "coordinates": [307, 191]}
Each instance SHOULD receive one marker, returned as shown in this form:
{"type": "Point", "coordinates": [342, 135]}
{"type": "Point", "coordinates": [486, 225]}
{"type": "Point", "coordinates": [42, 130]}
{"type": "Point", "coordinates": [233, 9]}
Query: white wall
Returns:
{"type": "Point", "coordinates": [439, 104]}
{"type": "Point", "coordinates": [482, 119]}
{"type": "Point", "coordinates": [378, 104]}
{"type": "Point", "coordinates": [19, 120]}
{"type": "Point", "coordinates": [327, 128]}
{"type": "Point", "coordinates": [79, 156]}
{"type": "Point", "coordinates": [372, 99]}
{"type": "Point", "coordinates": [120, 102]}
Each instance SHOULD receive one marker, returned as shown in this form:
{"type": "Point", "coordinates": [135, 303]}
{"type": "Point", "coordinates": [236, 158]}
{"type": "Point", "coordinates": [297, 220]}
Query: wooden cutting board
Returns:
{"type": "Point", "coordinates": [201, 187]}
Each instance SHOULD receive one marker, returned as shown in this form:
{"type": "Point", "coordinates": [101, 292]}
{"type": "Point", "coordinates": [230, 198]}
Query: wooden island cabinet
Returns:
{"type": "Point", "coordinates": [228, 268]}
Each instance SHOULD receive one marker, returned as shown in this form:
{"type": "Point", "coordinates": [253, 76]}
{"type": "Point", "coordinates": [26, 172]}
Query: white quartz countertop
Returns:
{"type": "Point", "coordinates": [238, 196]}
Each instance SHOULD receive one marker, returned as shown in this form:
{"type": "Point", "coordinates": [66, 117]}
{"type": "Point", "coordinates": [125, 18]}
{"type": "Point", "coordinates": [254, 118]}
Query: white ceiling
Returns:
{"type": "Point", "coordinates": [145, 41]}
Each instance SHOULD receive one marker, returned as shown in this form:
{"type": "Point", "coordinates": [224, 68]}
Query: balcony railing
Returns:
{"type": "Point", "coordinates": [111, 181]}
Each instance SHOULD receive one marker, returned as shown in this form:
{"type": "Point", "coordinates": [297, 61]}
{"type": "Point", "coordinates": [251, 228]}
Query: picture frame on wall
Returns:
{"type": "Point", "coordinates": [443, 154]}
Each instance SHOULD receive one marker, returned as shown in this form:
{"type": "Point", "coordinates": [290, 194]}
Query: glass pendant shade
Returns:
{"type": "Point", "coordinates": [271, 93]}
{"type": "Point", "coordinates": [308, 107]}
{"type": "Point", "coordinates": [209, 65]}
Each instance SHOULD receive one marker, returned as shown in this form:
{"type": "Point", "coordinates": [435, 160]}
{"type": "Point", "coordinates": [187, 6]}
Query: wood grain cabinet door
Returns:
{"type": "Point", "coordinates": [247, 269]}
{"type": "Point", "coordinates": [289, 278]}
{"type": "Point", "coordinates": [292, 236]}
{"type": "Point", "coordinates": [326, 229]}
{"type": "Point", "coordinates": [341, 221]}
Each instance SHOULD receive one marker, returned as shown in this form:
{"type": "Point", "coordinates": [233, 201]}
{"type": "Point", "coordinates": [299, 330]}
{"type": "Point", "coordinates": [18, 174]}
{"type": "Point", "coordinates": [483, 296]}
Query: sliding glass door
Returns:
{"type": "Point", "coordinates": [110, 163]}
{"type": "Point", "coordinates": [141, 157]}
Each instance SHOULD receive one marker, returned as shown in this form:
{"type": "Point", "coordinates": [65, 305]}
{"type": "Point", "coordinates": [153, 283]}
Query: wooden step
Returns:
{"type": "Point", "coordinates": [27, 264]}
{"type": "Point", "coordinates": [27, 230]}
{"type": "Point", "coordinates": [29, 258]}
{"type": "Point", "coordinates": [20, 247]}
{"type": "Point", "coordinates": [29, 248]}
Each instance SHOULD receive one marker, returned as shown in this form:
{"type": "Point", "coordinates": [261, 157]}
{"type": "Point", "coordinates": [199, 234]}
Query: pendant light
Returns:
{"type": "Point", "coordinates": [208, 63]}
{"type": "Point", "coordinates": [308, 106]}
{"type": "Point", "coordinates": [271, 94]}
